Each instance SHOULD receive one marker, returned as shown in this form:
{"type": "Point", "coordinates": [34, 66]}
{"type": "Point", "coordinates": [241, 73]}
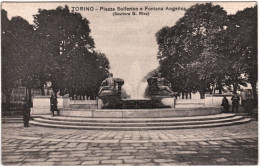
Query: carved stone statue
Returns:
{"type": "Point", "coordinates": [159, 86]}
{"type": "Point", "coordinates": [107, 84]}
{"type": "Point", "coordinates": [110, 92]}
{"type": "Point", "coordinates": [163, 84]}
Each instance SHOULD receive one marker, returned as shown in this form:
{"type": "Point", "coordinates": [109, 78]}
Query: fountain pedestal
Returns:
{"type": "Point", "coordinates": [164, 101]}
{"type": "Point", "coordinates": [154, 102]}
{"type": "Point", "coordinates": [137, 103]}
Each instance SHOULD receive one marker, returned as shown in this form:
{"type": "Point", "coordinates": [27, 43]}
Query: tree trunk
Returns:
{"type": "Point", "coordinates": [26, 94]}
{"type": "Point", "coordinates": [235, 87]}
{"type": "Point", "coordinates": [62, 92]}
{"type": "Point", "coordinates": [202, 94]}
{"type": "Point", "coordinates": [254, 93]}
{"type": "Point", "coordinates": [8, 98]}
{"type": "Point", "coordinates": [42, 91]}
{"type": "Point", "coordinates": [182, 95]}
{"type": "Point", "coordinates": [220, 90]}
{"type": "Point", "coordinates": [187, 95]}
{"type": "Point", "coordinates": [8, 93]}
{"type": "Point", "coordinates": [91, 97]}
{"type": "Point", "coordinates": [6, 107]}
{"type": "Point", "coordinates": [30, 96]}
{"type": "Point", "coordinates": [190, 94]}
{"type": "Point", "coordinates": [72, 94]}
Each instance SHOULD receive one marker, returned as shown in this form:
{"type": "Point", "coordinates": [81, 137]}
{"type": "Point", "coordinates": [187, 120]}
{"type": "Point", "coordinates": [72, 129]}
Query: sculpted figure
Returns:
{"type": "Point", "coordinates": [161, 83]}
{"type": "Point", "coordinates": [110, 92]}
{"type": "Point", "coordinates": [159, 86]}
{"type": "Point", "coordinates": [159, 89]}
{"type": "Point", "coordinates": [107, 84]}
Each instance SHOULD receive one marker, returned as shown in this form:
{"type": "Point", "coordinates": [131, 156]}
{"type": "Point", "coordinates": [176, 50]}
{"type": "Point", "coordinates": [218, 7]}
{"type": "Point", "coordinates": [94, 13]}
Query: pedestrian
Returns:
{"type": "Point", "coordinates": [225, 104]}
{"type": "Point", "coordinates": [25, 112]}
{"type": "Point", "coordinates": [235, 102]}
{"type": "Point", "coordinates": [54, 107]}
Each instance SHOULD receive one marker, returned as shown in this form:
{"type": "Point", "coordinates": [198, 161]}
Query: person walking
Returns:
{"type": "Point", "coordinates": [25, 112]}
{"type": "Point", "coordinates": [225, 104]}
{"type": "Point", "coordinates": [235, 102]}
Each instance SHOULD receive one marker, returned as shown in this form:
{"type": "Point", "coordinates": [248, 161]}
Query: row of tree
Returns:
{"type": "Point", "coordinates": [58, 48]}
{"type": "Point", "coordinates": [208, 48]}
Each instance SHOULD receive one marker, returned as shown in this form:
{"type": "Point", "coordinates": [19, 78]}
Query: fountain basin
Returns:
{"type": "Point", "coordinates": [140, 113]}
{"type": "Point", "coordinates": [154, 102]}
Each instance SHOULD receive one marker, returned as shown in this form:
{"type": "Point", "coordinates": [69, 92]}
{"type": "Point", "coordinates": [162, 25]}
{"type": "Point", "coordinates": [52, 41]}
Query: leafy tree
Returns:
{"type": "Point", "coordinates": [9, 61]}
{"type": "Point", "coordinates": [25, 48]}
{"type": "Point", "coordinates": [206, 48]}
{"type": "Point", "coordinates": [187, 49]}
{"type": "Point", "coordinates": [64, 32]}
{"type": "Point", "coordinates": [20, 60]}
{"type": "Point", "coordinates": [244, 43]}
{"type": "Point", "coordinates": [89, 70]}
{"type": "Point", "coordinates": [73, 65]}
{"type": "Point", "coordinates": [61, 50]}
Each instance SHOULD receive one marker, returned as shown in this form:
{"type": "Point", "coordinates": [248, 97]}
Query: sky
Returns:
{"type": "Point", "coordinates": [129, 42]}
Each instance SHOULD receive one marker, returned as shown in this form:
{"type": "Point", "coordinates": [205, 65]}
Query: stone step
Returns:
{"type": "Point", "coordinates": [188, 101]}
{"type": "Point", "coordinates": [83, 106]}
{"type": "Point", "coordinates": [140, 113]}
{"type": "Point", "coordinates": [12, 120]}
{"type": "Point", "coordinates": [190, 105]}
{"type": "Point", "coordinates": [178, 104]}
{"type": "Point", "coordinates": [114, 124]}
{"type": "Point", "coordinates": [83, 101]}
{"type": "Point", "coordinates": [123, 128]}
{"type": "Point", "coordinates": [136, 120]}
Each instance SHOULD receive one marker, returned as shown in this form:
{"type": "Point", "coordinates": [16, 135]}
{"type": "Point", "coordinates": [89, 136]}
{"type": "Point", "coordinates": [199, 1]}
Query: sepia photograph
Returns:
{"type": "Point", "coordinates": [129, 83]}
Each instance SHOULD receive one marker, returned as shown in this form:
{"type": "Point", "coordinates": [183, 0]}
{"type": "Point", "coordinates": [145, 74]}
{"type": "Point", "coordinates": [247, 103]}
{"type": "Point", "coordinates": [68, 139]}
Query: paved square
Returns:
{"type": "Point", "coordinates": [230, 145]}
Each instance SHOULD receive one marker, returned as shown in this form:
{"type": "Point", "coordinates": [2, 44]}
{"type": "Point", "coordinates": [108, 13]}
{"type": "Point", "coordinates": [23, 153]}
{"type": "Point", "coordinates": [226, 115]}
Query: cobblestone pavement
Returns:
{"type": "Point", "coordinates": [208, 146]}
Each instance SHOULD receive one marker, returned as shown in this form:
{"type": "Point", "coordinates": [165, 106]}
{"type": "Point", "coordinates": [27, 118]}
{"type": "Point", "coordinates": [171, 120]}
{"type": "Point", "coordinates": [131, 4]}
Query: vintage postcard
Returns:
{"type": "Point", "coordinates": [129, 83]}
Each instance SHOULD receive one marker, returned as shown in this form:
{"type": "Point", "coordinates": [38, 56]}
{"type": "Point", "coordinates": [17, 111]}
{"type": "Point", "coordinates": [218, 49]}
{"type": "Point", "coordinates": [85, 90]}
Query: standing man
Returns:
{"type": "Point", "coordinates": [225, 104]}
{"type": "Point", "coordinates": [235, 102]}
{"type": "Point", "coordinates": [54, 106]}
{"type": "Point", "coordinates": [25, 112]}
